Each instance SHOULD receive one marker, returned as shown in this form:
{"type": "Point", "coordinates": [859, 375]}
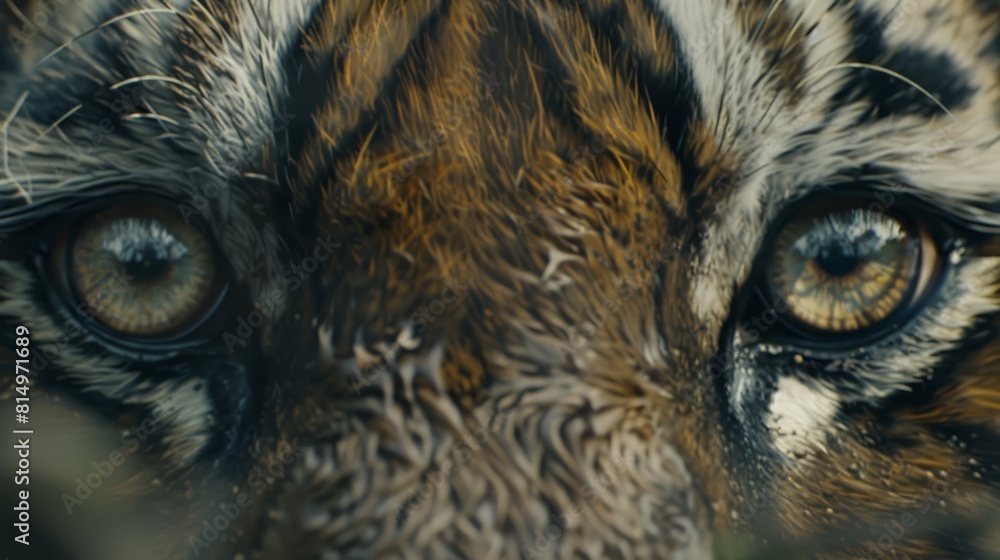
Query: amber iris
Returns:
{"type": "Point", "coordinates": [141, 270]}
{"type": "Point", "coordinates": [847, 269]}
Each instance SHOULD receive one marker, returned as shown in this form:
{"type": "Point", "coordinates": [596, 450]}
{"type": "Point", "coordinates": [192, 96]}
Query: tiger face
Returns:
{"type": "Point", "coordinates": [503, 279]}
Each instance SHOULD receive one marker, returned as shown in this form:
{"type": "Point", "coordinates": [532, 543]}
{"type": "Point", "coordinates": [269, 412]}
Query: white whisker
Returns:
{"type": "Point", "coordinates": [154, 78]}
{"type": "Point", "coordinates": [896, 75]}
{"type": "Point", "coordinates": [107, 23]}
{"type": "Point", "coordinates": [150, 116]}
{"type": "Point", "coordinates": [59, 121]}
{"type": "Point", "coordinates": [4, 138]}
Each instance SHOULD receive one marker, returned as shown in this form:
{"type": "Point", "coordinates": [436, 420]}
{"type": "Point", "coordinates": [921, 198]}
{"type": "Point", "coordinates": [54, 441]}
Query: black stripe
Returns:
{"type": "Point", "coordinates": [991, 9]}
{"type": "Point", "coordinates": [671, 95]}
{"type": "Point", "coordinates": [309, 85]}
{"type": "Point", "coordinates": [314, 84]}
{"type": "Point", "coordinates": [936, 72]}
{"type": "Point", "coordinates": [976, 441]}
{"type": "Point", "coordinates": [559, 89]}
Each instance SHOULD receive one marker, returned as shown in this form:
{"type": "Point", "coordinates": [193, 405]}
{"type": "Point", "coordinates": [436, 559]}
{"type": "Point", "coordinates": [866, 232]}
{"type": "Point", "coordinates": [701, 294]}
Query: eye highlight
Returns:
{"type": "Point", "coordinates": [844, 269]}
{"type": "Point", "coordinates": [141, 270]}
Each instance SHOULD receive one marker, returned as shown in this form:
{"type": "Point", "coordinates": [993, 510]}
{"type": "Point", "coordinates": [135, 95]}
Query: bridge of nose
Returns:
{"type": "Point", "coordinates": [545, 281]}
{"type": "Point", "coordinates": [520, 368]}
{"type": "Point", "coordinates": [543, 272]}
{"type": "Point", "coordinates": [535, 253]}
{"type": "Point", "coordinates": [521, 259]}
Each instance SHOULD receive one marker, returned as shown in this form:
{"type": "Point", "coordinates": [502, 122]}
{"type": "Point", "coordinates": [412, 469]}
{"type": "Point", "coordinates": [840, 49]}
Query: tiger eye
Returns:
{"type": "Point", "coordinates": [141, 270]}
{"type": "Point", "coordinates": [846, 270]}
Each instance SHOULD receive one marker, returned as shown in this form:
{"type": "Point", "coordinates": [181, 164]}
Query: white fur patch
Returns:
{"type": "Point", "coordinates": [246, 77]}
{"type": "Point", "coordinates": [800, 416]}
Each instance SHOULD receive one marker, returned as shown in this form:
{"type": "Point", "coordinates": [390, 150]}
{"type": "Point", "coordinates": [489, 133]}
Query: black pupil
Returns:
{"type": "Point", "coordinates": [148, 267]}
{"type": "Point", "coordinates": [836, 262]}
